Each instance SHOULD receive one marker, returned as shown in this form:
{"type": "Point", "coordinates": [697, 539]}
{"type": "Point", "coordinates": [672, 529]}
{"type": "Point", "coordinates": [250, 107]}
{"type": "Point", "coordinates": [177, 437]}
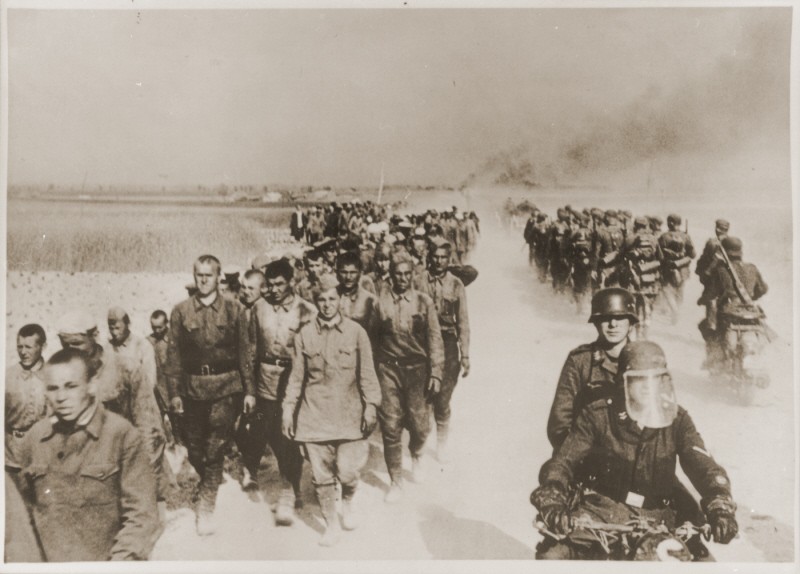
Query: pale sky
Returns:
{"type": "Point", "coordinates": [324, 97]}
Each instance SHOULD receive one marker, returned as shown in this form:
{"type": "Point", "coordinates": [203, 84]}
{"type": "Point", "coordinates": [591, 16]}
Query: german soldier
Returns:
{"type": "Point", "coordinates": [641, 256]}
{"type": "Point", "coordinates": [637, 435]}
{"type": "Point", "coordinates": [678, 250]}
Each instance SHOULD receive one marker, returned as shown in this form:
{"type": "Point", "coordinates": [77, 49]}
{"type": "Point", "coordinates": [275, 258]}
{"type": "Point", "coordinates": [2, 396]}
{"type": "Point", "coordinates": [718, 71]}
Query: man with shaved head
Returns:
{"type": "Point", "coordinates": [207, 374]}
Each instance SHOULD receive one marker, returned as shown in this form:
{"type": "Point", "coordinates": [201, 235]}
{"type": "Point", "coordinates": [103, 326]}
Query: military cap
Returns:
{"type": "Point", "coordinates": [405, 224]}
{"type": "Point", "coordinates": [611, 213]}
{"type": "Point", "coordinates": [419, 232]}
{"type": "Point", "coordinates": [627, 213]}
{"type": "Point", "coordinates": [260, 261]}
{"type": "Point", "coordinates": [722, 224]}
{"type": "Point", "coordinates": [732, 246]}
{"type": "Point", "coordinates": [656, 220]}
{"type": "Point", "coordinates": [596, 212]}
{"type": "Point", "coordinates": [117, 314]}
{"type": "Point", "coordinates": [640, 222]}
{"type": "Point", "coordinates": [458, 215]}
{"type": "Point", "coordinates": [76, 322]}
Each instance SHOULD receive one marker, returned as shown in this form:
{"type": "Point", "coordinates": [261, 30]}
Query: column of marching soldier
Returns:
{"type": "Point", "coordinates": [306, 355]}
{"type": "Point", "coordinates": [615, 425]}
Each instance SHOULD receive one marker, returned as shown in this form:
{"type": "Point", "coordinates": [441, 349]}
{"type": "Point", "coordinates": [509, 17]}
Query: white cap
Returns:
{"type": "Point", "coordinates": [76, 322]}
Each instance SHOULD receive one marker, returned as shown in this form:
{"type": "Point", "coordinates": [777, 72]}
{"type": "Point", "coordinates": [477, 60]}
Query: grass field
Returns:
{"type": "Point", "coordinates": [73, 237]}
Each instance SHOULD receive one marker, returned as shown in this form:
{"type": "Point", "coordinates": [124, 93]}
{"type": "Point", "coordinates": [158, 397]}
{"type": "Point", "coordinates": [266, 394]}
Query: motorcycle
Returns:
{"type": "Point", "coordinates": [743, 341]}
{"type": "Point", "coordinates": [640, 539]}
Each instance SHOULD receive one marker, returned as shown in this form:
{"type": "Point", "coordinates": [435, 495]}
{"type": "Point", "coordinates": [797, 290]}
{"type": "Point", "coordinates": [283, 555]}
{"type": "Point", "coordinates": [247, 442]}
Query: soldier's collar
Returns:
{"type": "Point", "coordinates": [36, 367]}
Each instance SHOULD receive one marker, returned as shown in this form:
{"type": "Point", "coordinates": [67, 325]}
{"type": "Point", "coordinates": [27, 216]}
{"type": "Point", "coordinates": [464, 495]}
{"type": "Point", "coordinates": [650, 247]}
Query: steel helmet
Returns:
{"type": "Point", "coordinates": [649, 393]}
{"type": "Point", "coordinates": [613, 302]}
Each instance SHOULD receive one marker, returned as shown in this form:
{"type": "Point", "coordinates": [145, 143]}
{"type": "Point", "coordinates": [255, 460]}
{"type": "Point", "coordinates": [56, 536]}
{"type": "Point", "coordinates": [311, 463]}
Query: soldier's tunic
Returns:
{"type": "Point", "coordinates": [91, 488]}
{"type": "Point", "coordinates": [25, 406]}
{"type": "Point", "coordinates": [123, 388]}
{"type": "Point", "coordinates": [450, 300]}
{"type": "Point", "coordinates": [678, 251]}
{"type": "Point", "coordinates": [409, 351]}
{"type": "Point", "coordinates": [360, 307]}
{"type": "Point", "coordinates": [275, 327]}
{"type": "Point", "coordinates": [587, 375]}
{"type": "Point", "coordinates": [333, 378]}
{"type": "Point", "coordinates": [208, 367]}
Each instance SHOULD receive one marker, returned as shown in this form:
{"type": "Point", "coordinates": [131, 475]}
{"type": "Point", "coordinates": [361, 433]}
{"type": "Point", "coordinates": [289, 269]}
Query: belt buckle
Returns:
{"type": "Point", "coordinates": [205, 370]}
{"type": "Point", "coordinates": [18, 433]}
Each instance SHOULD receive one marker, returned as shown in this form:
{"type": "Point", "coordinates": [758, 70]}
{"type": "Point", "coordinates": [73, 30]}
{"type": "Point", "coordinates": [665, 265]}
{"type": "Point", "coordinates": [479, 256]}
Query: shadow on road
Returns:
{"type": "Point", "coordinates": [448, 537]}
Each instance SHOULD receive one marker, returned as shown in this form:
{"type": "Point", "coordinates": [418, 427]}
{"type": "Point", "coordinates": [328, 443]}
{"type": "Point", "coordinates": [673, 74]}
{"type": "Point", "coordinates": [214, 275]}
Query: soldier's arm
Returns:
{"type": "Point", "coordinates": [137, 503]}
{"type": "Point", "coordinates": [246, 351]}
{"type": "Point", "coordinates": [462, 319]}
{"type": "Point", "coordinates": [561, 412]}
{"type": "Point", "coordinates": [173, 369]}
{"type": "Point", "coordinates": [760, 287]}
{"type": "Point", "coordinates": [435, 343]}
{"type": "Point", "coordinates": [368, 385]}
{"type": "Point", "coordinates": [297, 376]}
{"type": "Point", "coordinates": [561, 468]}
{"type": "Point", "coordinates": [146, 415]}
{"type": "Point", "coordinates": [708, 477]}
{"type": "Point", "coordinates": [690, 250]}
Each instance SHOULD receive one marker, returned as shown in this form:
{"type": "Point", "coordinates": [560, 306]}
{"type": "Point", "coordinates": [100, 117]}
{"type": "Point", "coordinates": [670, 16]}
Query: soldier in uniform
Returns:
{"type": "Point", "coordinates": [721, 287]}
{"type": "Point", "coordinates": [331, 405]}
{"type": "Point", "coordinates": [678, 250]}
{"type": "Point", "coordinates": [207, 374]}
{"type": "Point", "coordinates": [130, 347]}
{"type": "Point", "coordinates": [381, 276]}
{"type": "Point", "coordinates": [276, 320]}
{"type": "Point", "coordinates": [637, 435]}
{"type": "Point", "coordinates": [588, 373]}
{"type": "Point", "coordinates": [705, 265]}
{"type": "Point", "coordinates": [540, 238]}
{"type": "Point", "coordinates": [356, 302]}
{"type": "Point", "coordinates": [529, 237]}
{"type": "Point", "coordinates": [642, 257]}
{"type": "Point", "coordinates": [124, 388]}
{"type": "Point", "coordinates": [89, 481]}
{"type": "Point", "coordinates": [315, 266]}
{"type": "Point", "coordinates": [159, 339]}
{"type": "Point", "coordinates": [559, 264]}
{"type": "Point", "coordinates": [610, 242]}
{"type": "Point", "coordinates": [410, 360]}
{"type": "Point", "coordinates": [450, 299]}
{"type": "Point", "coordinates": [582, 259]}
{"type": "Point", "coordinates": [25, 405]}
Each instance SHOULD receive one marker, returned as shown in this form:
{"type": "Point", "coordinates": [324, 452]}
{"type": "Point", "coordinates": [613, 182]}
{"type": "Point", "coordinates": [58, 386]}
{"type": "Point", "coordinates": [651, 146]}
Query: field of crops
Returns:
{"type": "Point", "coordinates": [119, 237]}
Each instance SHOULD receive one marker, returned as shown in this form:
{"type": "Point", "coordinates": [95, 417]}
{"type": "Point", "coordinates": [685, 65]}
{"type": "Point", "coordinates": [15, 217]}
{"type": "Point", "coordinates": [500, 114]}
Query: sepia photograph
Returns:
{"type": "Point", "coordinates": [287, 285]}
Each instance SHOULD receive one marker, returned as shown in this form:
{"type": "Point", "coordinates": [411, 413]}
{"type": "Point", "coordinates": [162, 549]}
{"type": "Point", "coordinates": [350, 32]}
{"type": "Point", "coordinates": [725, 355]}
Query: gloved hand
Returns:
{"type": "Point", "coordinates": [720, 512]}
{"type": "Point", "coordinates": [723, 526]}
{"type": "Point", "coordinates": [551, 502]}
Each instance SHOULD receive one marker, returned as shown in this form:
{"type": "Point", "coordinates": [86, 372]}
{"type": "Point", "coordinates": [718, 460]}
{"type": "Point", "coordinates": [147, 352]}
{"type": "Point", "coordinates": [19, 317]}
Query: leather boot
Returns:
{"type": "Point", "coordinates": [327, 503]}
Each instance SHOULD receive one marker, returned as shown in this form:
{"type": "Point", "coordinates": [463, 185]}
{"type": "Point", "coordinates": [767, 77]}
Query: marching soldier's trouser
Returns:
{"type": "Point", "coordinates": [208, 428]}
{"type": "Point", "coordinates": [265, 428]}
{"type": "Point", "coordinates": [340, 460]}
{"type": "Point", "coordinates": [452, 368]}
{"type": "Point", "coordinates": [403, 400]}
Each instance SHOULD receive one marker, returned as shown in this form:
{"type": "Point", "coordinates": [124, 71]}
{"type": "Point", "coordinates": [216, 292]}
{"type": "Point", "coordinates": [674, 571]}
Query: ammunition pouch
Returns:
{"type": "Point", "coordinates": [681, 263]}
{"type": "Point", "coordinates": [648, 267]}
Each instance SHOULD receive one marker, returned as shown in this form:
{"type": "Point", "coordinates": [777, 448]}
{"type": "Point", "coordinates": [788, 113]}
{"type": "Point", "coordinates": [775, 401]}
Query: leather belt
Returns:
{"type": "Point", "coordinates": [218, 368]}
{"type": "Point", "coordinates": [403, 363]}
{"type": "Point", "coordinates": [277, 361]}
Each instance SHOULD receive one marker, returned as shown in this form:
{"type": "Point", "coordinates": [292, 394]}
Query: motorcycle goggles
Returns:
{"type": "Point", "coordinates": [650, 397]}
